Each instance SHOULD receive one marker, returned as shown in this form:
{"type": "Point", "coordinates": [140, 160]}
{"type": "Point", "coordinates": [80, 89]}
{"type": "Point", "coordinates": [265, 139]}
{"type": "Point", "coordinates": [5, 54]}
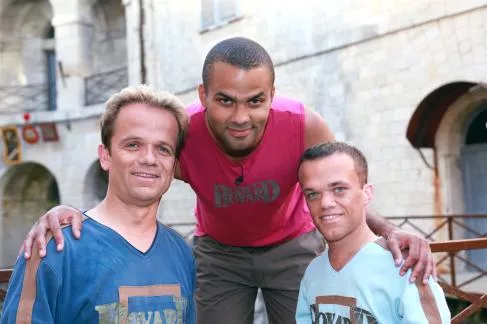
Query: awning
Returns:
{"type": "Point", "coordinates": [426, 119]}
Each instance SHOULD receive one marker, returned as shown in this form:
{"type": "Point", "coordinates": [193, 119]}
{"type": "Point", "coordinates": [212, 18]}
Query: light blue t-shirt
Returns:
{"type": "Point", "coordinates": [370, 288]}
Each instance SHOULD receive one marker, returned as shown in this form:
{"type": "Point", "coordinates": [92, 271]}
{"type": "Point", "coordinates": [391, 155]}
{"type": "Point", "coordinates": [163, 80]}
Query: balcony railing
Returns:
{"type": "Point", "coordinates": [28, 98]}
{"type": "Point", "coordinates": [99, 87]}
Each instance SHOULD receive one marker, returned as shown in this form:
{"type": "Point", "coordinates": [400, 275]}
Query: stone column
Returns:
{"type": "Point", "coordinates": [73, 26]}
{"type": "Point", "coordinates": [132, 19]}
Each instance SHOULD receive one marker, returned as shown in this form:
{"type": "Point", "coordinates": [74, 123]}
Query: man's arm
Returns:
{"type": "Point", "coordinates": [420, 256]}
{"type": "Point", "coordinates": [32, 293]}
{"type": "Point", "coordinates": [52, 221]}
{"type": "Point", "coordinates": [315, 129]}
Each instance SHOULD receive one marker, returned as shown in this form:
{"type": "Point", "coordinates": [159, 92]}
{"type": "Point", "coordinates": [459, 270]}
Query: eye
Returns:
{"type": "Point", "coordinates": [132, 146]}
{"type": "Point", "coordinates": [225, 101]}
{"type": "Point", "coordinates": [339, 189]}
{"type": "Point", "coordinates": [165, 150]}
{"type": "Point", "coordinates": [256, 102]}
{"type": "Point", "coordinates": [311, 195]}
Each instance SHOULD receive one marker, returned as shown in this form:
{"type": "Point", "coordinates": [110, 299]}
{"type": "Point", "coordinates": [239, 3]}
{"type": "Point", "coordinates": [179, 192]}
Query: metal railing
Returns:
{"type": "Point", "coordinates": [476, 300]}
{"type": "Point", "coordinates": [99, 87]}
{"type": "Point", "coordinates": [28, 98]}
{"type": "Point", "coordinates": [458, 269]}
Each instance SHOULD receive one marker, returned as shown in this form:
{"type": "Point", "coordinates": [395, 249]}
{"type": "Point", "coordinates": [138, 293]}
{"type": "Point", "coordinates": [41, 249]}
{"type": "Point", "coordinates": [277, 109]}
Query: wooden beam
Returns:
{"type": "Point", "coordinates": [459, 245]}
{"type": "Point", "coordinates": [5, 275]}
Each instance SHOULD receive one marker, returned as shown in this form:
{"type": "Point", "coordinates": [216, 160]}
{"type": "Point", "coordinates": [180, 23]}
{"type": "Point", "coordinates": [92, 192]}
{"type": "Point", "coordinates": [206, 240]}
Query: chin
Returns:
{"type": "Point", "coordinates": [147, 196]}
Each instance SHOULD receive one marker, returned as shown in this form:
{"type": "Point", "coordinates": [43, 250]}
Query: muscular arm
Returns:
{"type": "Point", "coordinates": [317, 131]}
{"type": "Point", "coordinates": [378, 224]}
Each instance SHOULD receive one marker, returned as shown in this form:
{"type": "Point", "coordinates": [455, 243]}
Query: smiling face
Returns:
{"type": "Point", "coordinates": [141, 158]}
{"type": "Point", "coordinates": [335, 196]}
{"type": "Point", "coordinates": [237, 103]}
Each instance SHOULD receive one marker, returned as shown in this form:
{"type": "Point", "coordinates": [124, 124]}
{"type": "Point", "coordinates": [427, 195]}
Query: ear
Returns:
{"type": "Point", "coordinates": [273, 91]}
{"type": "Point", "coordinates": [202, 94]}
{"type": "Point", "coordinates": [368, 193]}
{"type": "Point", "coordinates": [104, 156]}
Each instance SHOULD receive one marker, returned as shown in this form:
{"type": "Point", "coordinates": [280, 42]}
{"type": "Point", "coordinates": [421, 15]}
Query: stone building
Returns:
{"type": "Point", "coordinates": [402, 80]}
{"type": "Point", "coordinates": [59, 61]}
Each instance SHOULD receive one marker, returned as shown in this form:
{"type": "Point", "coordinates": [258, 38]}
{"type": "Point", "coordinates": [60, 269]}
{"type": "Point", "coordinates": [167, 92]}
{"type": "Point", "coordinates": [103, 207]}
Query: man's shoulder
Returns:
{"type": "Point", "coordinates": [174, 237]}
{"type": "Point", "coordinates": [286, 104]}
{"type": "Point", "coordinates": [89, 236]}
{"type": "Point", "coordinates": [194, 108]}
{"type": "Point", "coordinates": [318, 264]}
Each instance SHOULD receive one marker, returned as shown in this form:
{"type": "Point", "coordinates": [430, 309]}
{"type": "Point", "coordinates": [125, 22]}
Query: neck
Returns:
{"type": "Point", "coordinates": [137, 224]}
{"type": "Point", "coordinates": [342, 251]}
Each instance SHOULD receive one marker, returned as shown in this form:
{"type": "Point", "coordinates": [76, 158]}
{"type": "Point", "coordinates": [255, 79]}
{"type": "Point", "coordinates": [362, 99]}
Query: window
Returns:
{"type": "Point", "coordinates": [50, 68]}
{"type": "Point", "coordinates": [218, 12]}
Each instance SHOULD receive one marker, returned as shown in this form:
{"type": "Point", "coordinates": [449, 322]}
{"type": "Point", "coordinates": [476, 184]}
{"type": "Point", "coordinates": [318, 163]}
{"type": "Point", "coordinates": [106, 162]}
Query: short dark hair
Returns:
{"type": "Point", "coordinates": [241, 52]}
{"type": "Point", "coordinates": [326, 149]}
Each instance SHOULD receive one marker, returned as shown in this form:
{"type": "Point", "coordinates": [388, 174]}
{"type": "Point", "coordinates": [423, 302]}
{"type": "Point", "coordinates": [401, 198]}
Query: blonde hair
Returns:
{"type": "Point", "coordinates": [144, 95]}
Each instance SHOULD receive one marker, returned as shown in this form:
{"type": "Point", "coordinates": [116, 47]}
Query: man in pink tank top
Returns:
{"type": "Point", "coordinates": [241, 158]}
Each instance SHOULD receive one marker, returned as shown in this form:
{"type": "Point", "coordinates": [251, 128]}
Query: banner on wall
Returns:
{"type": "Point", "coordinates": [30, 134]}
{"type": "Point", "coordinates": [49, 132]}
{"type": "Point", "coordinates": [12, 148]}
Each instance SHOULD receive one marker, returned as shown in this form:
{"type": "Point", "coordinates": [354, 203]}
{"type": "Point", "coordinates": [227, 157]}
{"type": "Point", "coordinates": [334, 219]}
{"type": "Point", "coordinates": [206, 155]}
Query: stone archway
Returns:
{"type": "Point", "coordinates": [441, 122]}
{"type": "Point", "coordinates": [449, 143]}
{"type": "Point", "coordinates": [27, 191]}
{"type": "Point", "coordinates": [96, 185]}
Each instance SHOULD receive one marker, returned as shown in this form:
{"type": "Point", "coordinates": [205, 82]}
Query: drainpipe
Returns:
{"type": "Point", "coordinates": [438, 199]}
{"type": "Point", "coordinates": [143, 68]}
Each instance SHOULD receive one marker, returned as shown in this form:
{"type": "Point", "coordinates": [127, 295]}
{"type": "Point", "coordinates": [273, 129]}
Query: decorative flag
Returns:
{"type": "Point", "coordinates": [30, 134]}
{"type": "Point", "coordinates": [49, 132]}
{"type": "Point", "coordinates": [12, 149]}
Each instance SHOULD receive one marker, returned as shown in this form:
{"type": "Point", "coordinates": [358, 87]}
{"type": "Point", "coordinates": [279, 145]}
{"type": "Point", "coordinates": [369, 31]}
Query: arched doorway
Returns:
{"type": "Point", "coordinates": [448, 121]}
{"type": "Point", "coordinates": [27, 191]}
{"type": "Point", "coordinates": [96, 185]}
{"type": "Point", "coordinates": [474, 176]}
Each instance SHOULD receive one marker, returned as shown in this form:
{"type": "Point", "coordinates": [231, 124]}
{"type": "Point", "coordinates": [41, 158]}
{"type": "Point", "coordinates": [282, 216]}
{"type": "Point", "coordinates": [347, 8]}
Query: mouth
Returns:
{"type": "Point", "coordinates": [330, 217]}
{"type": "Point", "coordinates": [239, 133]}
{"type": "Point", "coordinates": [145, 175]}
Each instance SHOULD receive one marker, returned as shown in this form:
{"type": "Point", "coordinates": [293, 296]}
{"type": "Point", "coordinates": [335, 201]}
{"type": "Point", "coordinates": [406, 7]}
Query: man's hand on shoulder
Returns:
{"type": "Point", "coordinates": [52, 221]}
{"type": "Point", "coordinates": [420, 257]}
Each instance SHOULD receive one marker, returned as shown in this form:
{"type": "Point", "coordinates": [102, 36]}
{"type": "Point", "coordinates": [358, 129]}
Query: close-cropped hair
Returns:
{"type": "Point", "coordinates": [240, 52]}
{"type": "Point", "coordinates": [143, 94]}
{"type": "Point", "coordinates": [326, 149]}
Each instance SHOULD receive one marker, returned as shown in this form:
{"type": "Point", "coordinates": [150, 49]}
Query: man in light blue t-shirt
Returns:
{"type": "Point", "coordinates": [354, 280]}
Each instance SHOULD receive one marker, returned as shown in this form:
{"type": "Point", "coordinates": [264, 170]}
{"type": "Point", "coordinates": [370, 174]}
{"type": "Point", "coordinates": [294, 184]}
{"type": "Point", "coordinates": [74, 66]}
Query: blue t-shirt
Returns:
{"type": "Point", "coordinates": [102, 278]}
{"type": "Point", "coordinates": [370, 289]}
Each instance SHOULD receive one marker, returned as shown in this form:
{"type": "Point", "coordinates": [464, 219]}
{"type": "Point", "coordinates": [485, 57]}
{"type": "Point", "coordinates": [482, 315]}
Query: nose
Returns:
{"type": "Point", "coordinates": [148, 156]}
{"type": "Point", "coordinates": [241, 115]}
{"type": "Point", "coordinates": [328, 201]}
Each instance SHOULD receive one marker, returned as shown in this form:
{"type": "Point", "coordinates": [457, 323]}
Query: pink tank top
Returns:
{"type": "Point", "coordinates": [267, 208]}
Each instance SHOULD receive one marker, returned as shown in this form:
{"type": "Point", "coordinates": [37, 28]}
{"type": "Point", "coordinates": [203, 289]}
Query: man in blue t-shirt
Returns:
{"type": "Point", "coordinates": [127, 267]}
{"type": "Point", "coordinates": [354, 280]}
